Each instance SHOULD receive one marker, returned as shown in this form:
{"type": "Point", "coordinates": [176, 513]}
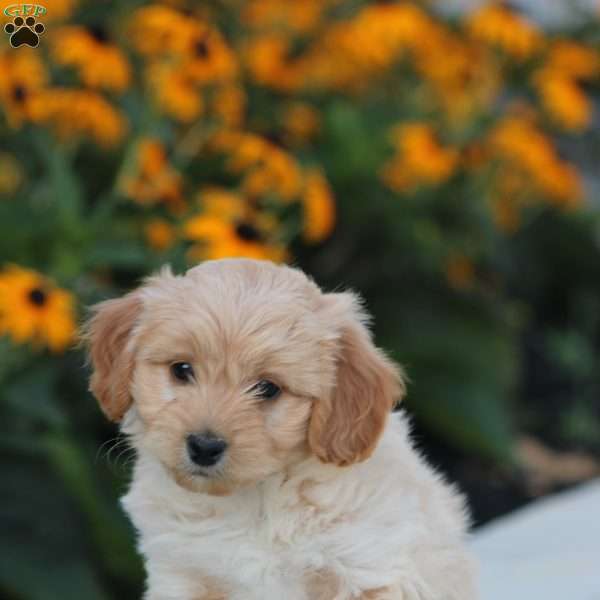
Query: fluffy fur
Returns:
{"type": "Point", "coordinates": [320, 495]}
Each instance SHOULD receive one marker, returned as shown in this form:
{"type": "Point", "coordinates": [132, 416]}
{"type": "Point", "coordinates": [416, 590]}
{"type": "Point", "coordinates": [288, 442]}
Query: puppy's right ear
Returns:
{"type": "Point", "coordinates": [108, 333]}
{"type": "Point", "coordinates": [346, 426]}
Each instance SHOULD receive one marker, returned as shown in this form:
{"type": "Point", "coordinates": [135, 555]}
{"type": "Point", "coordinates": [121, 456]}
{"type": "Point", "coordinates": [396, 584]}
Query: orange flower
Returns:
{"type": "Point", "coordinates": [229, 103]}
{"type": "Point", "coordinates": [154, 179]}
{"type": "Point", "coordinates": [160, 234]}
{"type": "Point", "coordinates": [99, 63]}
{"type": "Point", "coordinates": [300, 122]}
{"type": "Point", "coordinates": [300, 16]}
{"type": "Point", "coordinates": [267, 168]}
{"type": "Point", "coordinates": [58, 9]}
{"type": "Point", "coordinates": [520, 145]}
{"type": "Point", "coordinates": [187, 53]}
{"type": "Point", "coordinates": [319, 208]}
{"type": "Point", "coordinates": [558, 80]}
{"type": "Point", "coordinates": [351, 52]}
{"type": "Point", "coordinates": [224, 203]}
{"type": "Point", "coordinates": [420, 159]}
{"type": "Point", "coordinates": [189, 58]}
{"type": "Point", "coordinates": [573, 59]}
{"type": "Point", "coordinates": [563, 99]}
{"type": "Point", "coordinates": [497, 25]}
{"type": "Point", "coordinates": [157, 29]}
{"type": "Point", "coordinates": [209, 59]}
{"type": "Point", "coordinates": [23, 78]}
{"type": "Point", "coordinates": [175, 93]}
{"type": "Point", "coordinates": [33, 309]}
{"type": "Point", "coordinates": [462, 75]}
{"type": "Point", "coordinates": [268, 61]}
{"type": "Point", "coordinates": [230, 227]}
{"type": "Point", "coordinates": [79, 113]}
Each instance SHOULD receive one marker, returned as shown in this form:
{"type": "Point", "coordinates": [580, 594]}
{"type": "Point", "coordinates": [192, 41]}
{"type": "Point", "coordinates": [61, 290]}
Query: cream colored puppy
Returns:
{"type": "Point", "coordinates": [268, 464]}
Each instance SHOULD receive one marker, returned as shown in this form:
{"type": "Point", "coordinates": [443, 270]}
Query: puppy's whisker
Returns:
{"type": "Point", "coordinates": [123, 453]}
{"type": "Point", "coordinates": [116, 443]}
{"type": "Point", "coordinates": [130, 460]}
{"type": "Point", "coordinates": [121, 448]}
{"type": "Point", "coordinates": [103, 446]}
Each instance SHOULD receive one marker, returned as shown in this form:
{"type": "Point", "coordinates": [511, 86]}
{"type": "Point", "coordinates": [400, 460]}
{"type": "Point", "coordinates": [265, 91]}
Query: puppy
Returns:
{"type": "Point", "coordinates": [269, 465]}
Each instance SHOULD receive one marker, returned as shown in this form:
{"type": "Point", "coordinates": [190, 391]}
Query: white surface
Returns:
{"type": "Point", "coordinates": [549, 550]}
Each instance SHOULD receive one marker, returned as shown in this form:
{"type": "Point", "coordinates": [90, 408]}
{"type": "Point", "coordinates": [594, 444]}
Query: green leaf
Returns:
{"type": "Point", "coordinates": [67, 191]}
{"type": "Point", "coordinates": [110, 533]}
{"type": "Point", "coordinates": [462, 365]}
{"type": "Point", "coordinates": [42, 546]}
{"type": "Point", "coordinates": [118, 253]}
{"type": "Point", "coordinates": [32, 395]}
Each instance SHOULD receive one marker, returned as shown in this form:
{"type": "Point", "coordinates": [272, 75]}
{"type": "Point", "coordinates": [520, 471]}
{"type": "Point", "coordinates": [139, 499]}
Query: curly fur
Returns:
{"type": "Point", "coordinates": [320, 495]}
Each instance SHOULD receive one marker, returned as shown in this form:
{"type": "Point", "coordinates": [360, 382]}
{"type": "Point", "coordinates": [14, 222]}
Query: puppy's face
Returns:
{"type": "Point", "coordinates": [239, 369]}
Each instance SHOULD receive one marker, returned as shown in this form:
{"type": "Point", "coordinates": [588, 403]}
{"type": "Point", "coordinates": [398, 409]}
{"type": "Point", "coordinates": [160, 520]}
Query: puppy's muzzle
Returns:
{"type": "Point", "coordinates": [205, 449]}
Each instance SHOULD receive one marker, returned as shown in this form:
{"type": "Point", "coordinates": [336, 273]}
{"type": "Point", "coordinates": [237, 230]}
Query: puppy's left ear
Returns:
{"type": "Point", "coordinates": [345, 427]}
{"type": "Point", "coordinates": [108, 334]}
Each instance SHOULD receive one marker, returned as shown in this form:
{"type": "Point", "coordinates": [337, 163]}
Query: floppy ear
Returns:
{"type": "Point", "coordinates": [345, 427]}
{"type": "Point", "coordinates": [108, 333]}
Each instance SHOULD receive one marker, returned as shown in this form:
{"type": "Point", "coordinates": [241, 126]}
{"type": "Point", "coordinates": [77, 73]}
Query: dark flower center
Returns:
{"type": "Point", "coordinates": [275, 138]}
{"type": "Point", "coordinates": [19, 93]}
{"type": "Point", "coordinates": [38, 297]}
{"type": "Point", "coordinates": [584, 85]}
{"type": "Point", "coordinates": [98, 33]}
{"type": "Point", "coordinates": [247, 232]}
{"type": "Point", "coordinates": [201, 49]}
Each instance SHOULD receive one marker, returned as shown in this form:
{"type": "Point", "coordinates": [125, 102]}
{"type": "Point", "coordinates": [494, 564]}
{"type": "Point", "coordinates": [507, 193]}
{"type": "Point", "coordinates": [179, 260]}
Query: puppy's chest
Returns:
{"type": "Point", "coordinates": [263, 550]}
{"type": "Point", "coordinates": [273, 544]}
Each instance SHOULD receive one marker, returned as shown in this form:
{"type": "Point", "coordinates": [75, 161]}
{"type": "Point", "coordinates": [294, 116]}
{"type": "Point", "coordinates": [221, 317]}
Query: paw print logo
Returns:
{"type": "Point", "coordinates": [24, 32]}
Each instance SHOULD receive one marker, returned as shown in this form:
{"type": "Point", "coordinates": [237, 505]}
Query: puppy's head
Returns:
{"type": "Point", "coordinates": [238, 369]}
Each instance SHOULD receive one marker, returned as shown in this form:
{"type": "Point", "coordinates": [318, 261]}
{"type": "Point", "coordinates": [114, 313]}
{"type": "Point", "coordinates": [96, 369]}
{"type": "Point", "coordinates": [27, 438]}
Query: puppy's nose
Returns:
{"type": "Point", "coordinates": [205, 449]}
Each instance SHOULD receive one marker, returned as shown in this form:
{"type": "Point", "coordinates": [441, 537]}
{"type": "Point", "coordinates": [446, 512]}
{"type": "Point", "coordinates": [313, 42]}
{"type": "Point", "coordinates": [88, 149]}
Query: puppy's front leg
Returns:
{"type": "Point", "coordinates": [203, 593]}
{"type": "Point", "coordinates": [386, 593]}
{"type": "Point", "coordinates": [203, 596]}
{"type": "Point", "coordinates": [170, 586]}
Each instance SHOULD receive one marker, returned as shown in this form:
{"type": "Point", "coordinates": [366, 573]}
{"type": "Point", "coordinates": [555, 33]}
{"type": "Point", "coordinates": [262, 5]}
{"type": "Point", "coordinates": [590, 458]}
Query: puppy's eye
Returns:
{"type": "Point", "coordinates": [182, 371]}
{"type": "Point", "coordinates": [266, 389]}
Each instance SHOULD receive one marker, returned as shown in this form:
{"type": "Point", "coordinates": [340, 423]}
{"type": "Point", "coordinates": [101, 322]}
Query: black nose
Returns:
{"type": "Point", "coordinates": [205, 449]}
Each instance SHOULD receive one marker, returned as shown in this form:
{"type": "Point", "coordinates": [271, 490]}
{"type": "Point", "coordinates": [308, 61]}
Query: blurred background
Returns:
{"type": "Point", "coordinates": [440, 158]}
